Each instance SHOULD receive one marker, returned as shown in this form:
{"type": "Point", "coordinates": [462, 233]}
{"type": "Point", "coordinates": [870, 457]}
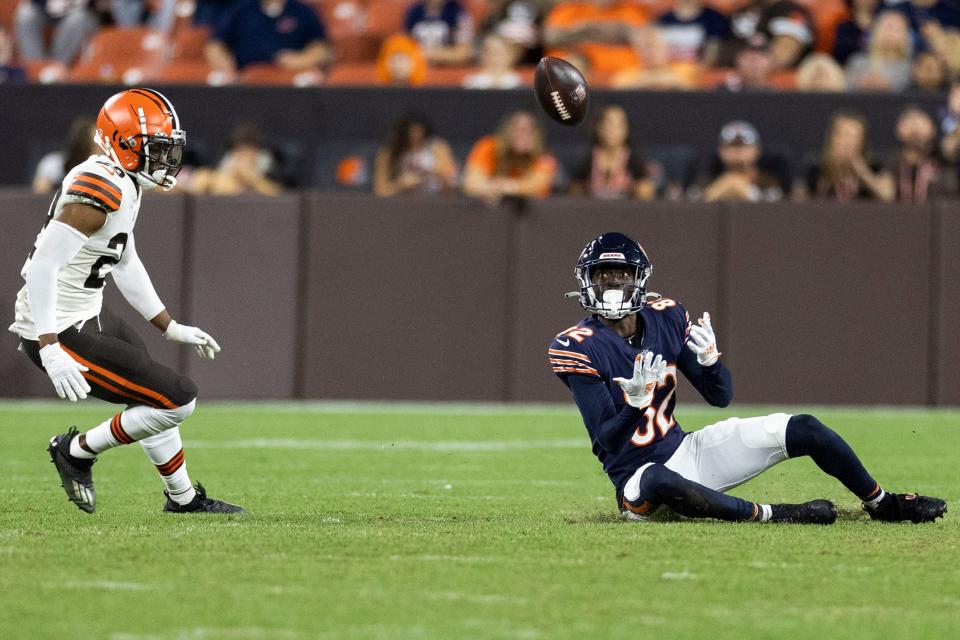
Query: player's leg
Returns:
{"type": "Point", "coordinates": [719, 457]}
{"type": "Point", "coordinates": [165, 449]}
{"type": "Point", "coordinates": [807, 436]}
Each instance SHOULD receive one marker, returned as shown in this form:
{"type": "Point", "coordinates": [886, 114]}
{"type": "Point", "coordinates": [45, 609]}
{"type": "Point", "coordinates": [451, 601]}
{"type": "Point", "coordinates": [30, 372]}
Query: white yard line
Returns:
{"type": "Point", "coordinates": [463, 408]}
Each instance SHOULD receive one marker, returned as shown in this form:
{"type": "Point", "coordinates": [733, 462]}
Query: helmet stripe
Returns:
{"type": "Point", "coordinates": [173, 112]}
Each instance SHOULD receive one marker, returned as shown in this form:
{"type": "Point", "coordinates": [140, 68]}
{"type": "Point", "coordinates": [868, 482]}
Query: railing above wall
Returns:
{"type": "Point", "coordinates": [348, 296]}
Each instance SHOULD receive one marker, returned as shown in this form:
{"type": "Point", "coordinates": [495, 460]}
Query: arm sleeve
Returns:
{"type": "Point", "coordinates": [133, 282]}
{"type": "Point", "coordinates": [58, 244]}
{"type": "Point", "coordinates": [714, 383]}
{"type": "Point", "coordinates": [606, 425]}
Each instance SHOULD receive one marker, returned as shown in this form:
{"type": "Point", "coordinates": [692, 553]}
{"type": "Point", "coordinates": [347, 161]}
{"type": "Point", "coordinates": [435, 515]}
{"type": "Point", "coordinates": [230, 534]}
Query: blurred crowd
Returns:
{"type": "Point", "coordinates": [515, 162]}
{"type": "Point", "coordinates": [727, 45]}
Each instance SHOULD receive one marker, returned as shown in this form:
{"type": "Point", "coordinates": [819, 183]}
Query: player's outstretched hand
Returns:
{"type": "Point", "coordinates": [203, 343]}
{"type": "Point", "coordinates": [703, 341]}
{"type": "Point", "coordinates": [648, 371]}
{"type": "Point", "coordinates": [65, 373]}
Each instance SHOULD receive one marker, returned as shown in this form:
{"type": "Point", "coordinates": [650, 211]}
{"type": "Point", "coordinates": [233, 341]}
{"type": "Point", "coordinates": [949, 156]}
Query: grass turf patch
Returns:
{"type": "Point", "coordinates": [395, 522]}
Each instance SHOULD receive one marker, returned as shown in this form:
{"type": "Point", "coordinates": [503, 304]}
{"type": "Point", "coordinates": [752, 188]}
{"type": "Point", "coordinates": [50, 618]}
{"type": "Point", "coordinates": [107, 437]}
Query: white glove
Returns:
{"type": "Point", "coordinates": [647, 373]}
{"type": "Point", "coordinates": [65, 372]}
{"type": "Point", "coordinates": [205, 346]}
{"type": "Point", "coordinates": [703, 342]}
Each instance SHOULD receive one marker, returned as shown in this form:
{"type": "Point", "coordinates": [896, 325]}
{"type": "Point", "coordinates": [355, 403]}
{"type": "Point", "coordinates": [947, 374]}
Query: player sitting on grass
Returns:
{"type": "Point", "coordinates": [621, 365]}
{"type": "Point", "coordinates": [86, 349]}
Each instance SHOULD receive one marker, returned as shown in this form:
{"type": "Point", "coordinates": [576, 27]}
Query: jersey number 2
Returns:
{"type": "Point", "coordinates": [95, 279]}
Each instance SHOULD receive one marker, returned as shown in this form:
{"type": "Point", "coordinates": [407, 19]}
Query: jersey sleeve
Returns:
{"type": "Point", "coordinates": [91, 183]}
{"type": "Point", "coordinates": [568, 357]}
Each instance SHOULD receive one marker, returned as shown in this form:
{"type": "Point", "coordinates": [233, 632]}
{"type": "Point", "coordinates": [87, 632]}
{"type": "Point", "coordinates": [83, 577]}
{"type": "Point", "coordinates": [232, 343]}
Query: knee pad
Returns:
{"type": "Point", "coordinates": [657, 482]}
{"type": "Point", "coordinates": [182, 412]}
{"type": "Point", "coordinates": [806, 434]}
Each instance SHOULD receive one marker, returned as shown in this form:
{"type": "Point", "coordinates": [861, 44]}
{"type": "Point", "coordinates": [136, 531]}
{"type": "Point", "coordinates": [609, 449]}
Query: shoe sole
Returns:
{"type": "Point", "coordinates": [80, 494]}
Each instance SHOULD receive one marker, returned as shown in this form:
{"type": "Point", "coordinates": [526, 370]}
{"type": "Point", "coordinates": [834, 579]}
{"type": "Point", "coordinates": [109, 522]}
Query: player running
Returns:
{"type": "Point", "coordinates": [86, 349]}
{"type": "Point", "coordinates": [621, 365]}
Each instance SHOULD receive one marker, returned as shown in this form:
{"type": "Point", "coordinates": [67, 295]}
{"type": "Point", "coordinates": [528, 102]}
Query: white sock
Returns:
{"type": "Point", "coordinates": [873, 503]}
{"type": "Point", "coordinates": [135, 423]}
{"type": "Point", "coordinates": [165, 451]}
{"type": "Point", "coordinates": [766, 512]}
{"type": "Point", "coordinates": [79, 452]}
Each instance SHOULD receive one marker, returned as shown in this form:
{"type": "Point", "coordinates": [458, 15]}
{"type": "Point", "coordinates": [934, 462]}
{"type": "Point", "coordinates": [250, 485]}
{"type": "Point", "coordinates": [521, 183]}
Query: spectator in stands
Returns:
{"type": "Point", "coordinates": [928, 72]}
{"type": "Point", "coordinates": [738, 176]}
{"type": "Point", "coordinates": [512, 163]}
{"type": "Point", "coordinates": [820, 72]}
{"type": "Point", "coordinates": [498, 61]}
{"type": "Point", "coordinates": [413, 160]}
{"type": "Point", "coordinates": [936, 25]}
{"type": "Point", "coordinates": [73, 22]}
{"type": "Point", "coordinates": [78, 146]}
{"type": "Point", "coordinates": [158, 14]}
{"type": "Point", "coordinates": [599, 32]}
{"type": "Point", "coordinates": [752, 66]}
{"type": "Point", "coordinates": [885, 65]}
{"type": "Point", "coordinates": [658, 71]}
{"type": "Point", "coordinates": [850, 36]}
{"type": "Point", "coordinates": [9, 72]}
{"type": "Point", "coordinates": [845, 171]}
{"type": "Point", "coordinates": [286, 33]}
{"type": "Point", "coordinates": [920, 174]}
{"type": "Point", "coordinates": [694, 32]}
{"type": "Point", "coordinates": [518, 21]}
{"type": "Point", "coordinates": [613, 170]}
{"type": "Point", "coordinates": [786, 26]}
{"type": "Point", "coordinates": [401, 62]}
{"type": "Point", "coordinates": [245, 168]}
{"type": "Point", "coordinates": [950, 126]}
{"type": "Point", "coordinates": [444, 30]}
{"type": "Point", "coordinates": [208, 12]}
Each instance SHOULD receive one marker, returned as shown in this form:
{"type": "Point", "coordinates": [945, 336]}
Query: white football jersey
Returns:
{"type": "Point", "coordinates": [100, 183]}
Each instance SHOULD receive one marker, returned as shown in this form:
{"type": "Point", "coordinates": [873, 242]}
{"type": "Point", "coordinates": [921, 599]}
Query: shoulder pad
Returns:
{"type": "Point", "coordinates": [97, 182]}
{"type": "Point", "coordinates": [569, 352]}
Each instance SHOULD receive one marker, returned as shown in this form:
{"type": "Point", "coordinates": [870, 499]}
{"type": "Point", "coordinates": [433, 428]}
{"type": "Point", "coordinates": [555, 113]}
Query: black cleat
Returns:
{"type": "Point", "coordinates": [813, 512]}
{"type": "Point", "coordinates": [201, 504]}
{"type": "Point", "coordinates": [900, 507]}
{"type": "Point", "coordinates": [75, 476]}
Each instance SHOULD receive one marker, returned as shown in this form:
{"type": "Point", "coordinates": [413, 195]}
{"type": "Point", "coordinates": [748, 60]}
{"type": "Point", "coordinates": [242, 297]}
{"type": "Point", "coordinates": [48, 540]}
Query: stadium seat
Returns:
{"type": "Point", "coordinates": [352, 74]}
{"type": "Point", "coordinates": [386, 17]}
{"type": "Point", "coordinates": [345, 166]}
{"type": "Point", "coordinates": [127, 56]}
{"type": "Point", "coordinates": [189, 72]}
{"type": "Point", "coordinates": [7, 9]}
{"type": "Point", "coordinates": [268, 74]}
{"type": "Point", "coordinates": [45, 71]}
{"type": "Point", "coordinates": [188, 43]}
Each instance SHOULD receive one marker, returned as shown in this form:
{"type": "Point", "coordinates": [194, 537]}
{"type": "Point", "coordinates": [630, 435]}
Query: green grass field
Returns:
{"type": "Point", "coordinates": [397, 522]}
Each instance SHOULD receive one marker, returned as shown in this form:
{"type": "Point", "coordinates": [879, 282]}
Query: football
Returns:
{"type": "Point", "coordinates": [561, 91]}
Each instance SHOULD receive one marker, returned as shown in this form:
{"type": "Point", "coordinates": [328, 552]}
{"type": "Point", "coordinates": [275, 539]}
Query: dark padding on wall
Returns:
{"type": "Point", "coordinates": [23, 216]}
{"type": "Point", "coordinates": [829, 304]}
{"type": "Point", "coordinates": [160, 235]}
{"type": "Point", "coordinates": [947, 319]}
{"type": "Point", "coordinates": [244, 293]}
{"type": "Point", "coordinates": [407, 299]}
{"type": "Point", "coordinates": [682, 245]}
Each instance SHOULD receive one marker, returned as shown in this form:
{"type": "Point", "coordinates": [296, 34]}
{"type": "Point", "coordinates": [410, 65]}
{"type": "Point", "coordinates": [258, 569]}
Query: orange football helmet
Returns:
{"type": "Point", "coordinates": [139, 129]}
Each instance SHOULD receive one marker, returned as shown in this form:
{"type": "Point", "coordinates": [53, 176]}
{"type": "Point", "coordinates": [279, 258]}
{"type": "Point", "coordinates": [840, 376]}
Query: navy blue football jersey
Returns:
{"type": "Point", "coordinates": [588, 356]}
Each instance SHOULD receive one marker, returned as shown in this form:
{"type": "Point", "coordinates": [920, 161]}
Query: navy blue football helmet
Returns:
{"type": "Point", "coordinates": [609, 250]}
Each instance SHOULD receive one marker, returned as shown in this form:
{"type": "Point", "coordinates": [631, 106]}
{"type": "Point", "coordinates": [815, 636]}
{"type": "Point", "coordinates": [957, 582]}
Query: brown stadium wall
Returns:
{"type": "Point", "coordinates": [346, 296]}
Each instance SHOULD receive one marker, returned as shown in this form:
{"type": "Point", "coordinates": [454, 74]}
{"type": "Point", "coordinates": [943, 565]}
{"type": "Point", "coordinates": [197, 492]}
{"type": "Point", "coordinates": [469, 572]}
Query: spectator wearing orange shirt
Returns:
{"type": "Point", "coordinates": [513, 162]}
{"type": "Point", "coordinates": [600, 32]}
